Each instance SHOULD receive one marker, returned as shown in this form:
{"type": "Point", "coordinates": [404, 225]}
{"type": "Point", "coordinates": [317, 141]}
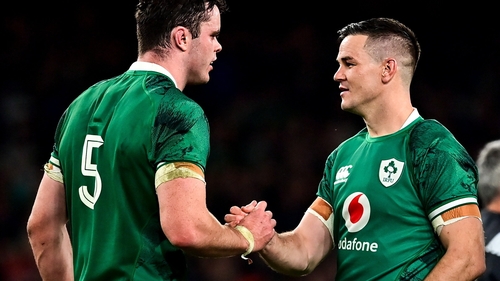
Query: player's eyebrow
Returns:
{"type": "Point", "coordinates": [345, 59]}
{"type": "Point", "coordinates": [216, 33]}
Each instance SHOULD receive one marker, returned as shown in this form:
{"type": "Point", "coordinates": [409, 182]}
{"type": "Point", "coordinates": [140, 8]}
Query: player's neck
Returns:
{"type": "Point", "coordinates": [386, 122]}
{"type": "Point", "coordinates": [171, 63]}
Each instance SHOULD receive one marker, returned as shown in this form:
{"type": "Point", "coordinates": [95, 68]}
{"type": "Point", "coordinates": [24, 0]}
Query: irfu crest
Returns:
{"type": "Point", "coordinates": [390, 171]}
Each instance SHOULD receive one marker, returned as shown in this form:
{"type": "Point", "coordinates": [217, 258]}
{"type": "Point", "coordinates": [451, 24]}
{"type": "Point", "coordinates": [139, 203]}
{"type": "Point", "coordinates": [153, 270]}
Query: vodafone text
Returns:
{"type": "Point", "coordinates": [356, 245]}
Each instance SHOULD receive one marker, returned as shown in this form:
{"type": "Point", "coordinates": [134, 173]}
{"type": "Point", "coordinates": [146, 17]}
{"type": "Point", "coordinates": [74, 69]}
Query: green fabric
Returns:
{"type": "Point", "coordinates": [384, 192]}
{"type": "Point", "coordinates": [129, 124]}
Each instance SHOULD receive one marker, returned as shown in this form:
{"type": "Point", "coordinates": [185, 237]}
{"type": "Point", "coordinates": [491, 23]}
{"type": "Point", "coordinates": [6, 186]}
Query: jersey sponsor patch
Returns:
{"type": "Point", "coordinates": [389, 172]}
{"type": "Point", "coordinates": [356, 211]}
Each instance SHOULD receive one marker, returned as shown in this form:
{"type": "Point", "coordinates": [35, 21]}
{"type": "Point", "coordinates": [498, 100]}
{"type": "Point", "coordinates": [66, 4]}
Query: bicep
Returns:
{"type": "Point", "coordinates": [315, 237]}
{"type": "Point", "coordinates": [464, 237]}
{"type": "Point", "coordinates": [182, 201]}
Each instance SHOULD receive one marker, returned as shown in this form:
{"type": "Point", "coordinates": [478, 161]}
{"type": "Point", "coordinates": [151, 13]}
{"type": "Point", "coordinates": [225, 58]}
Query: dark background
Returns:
{"type": "Point", "coordinates": [273, 107]}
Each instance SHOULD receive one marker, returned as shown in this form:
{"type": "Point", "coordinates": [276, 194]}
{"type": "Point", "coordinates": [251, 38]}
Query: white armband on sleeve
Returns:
{"type": "Point", "coordinates": [453, 215]}
{"type": "Point", "coordinates": [53, 170]}
{"type": "Point", "coordinates": [324, 212]}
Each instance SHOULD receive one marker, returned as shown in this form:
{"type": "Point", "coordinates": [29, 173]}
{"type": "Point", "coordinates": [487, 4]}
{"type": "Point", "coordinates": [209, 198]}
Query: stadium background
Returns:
{"type": "Point", "coordinates": [273, 107]}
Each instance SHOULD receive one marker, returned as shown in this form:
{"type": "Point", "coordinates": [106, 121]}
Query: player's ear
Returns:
{"type": "Point", "coordinates": [180, 37]}
{"type": "Point", "coordinates": [389, 68]}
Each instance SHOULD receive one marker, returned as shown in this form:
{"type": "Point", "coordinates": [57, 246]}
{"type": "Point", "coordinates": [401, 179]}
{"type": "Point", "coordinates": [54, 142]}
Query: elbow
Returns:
{"type": "Point", "coordinates": [478, 268]}
{"type": "Point", "coordinates": [42, 232]}
{"type": "Point", "coordinates": [474, 266]}
{"type": "Point", "coordinates": [33, 228]}
{"type": "Point", "coordinates": [182, 237]}
{"type": "Point", "coordinates": [295, 272]}
{"type": "Point", "coordinates": [478, 263]}
{"type": "Point", "coordinates": [304, 270]}
{"type": "Point", "coordinates": [301, 270]}
{"type": "Point", "coordinates": [38, 237]}
{"type": "Point", "coordinates": [182, 240]}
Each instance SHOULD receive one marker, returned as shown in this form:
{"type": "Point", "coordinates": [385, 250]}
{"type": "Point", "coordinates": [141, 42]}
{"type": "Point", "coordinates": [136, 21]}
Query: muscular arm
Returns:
{"type": "Point", "coordinates": [189, 225]}
{"type": "Point", "coordinates": [299, 251]}
{"type": "Point", "coordinates": [48, 234]}
{"type": "Point", "coordinates": [464, 258]}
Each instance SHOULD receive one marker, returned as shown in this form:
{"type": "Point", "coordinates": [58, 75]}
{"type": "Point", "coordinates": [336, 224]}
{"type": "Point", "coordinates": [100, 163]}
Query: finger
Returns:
{"type": "Point", "coordinates": [229, 218]}
{"type": "Point", "coordinates": [261, 205]}
{"type": "Point", "coordinates": [232, 224]}
{"type": "Point", "coordinates": [251, 204]}
{"type": "Point", "coordinates": [248, 208]}
{"type": "Point", "coordinates": [236, 211]}
{"type": "Point", "coordinates": [269, 213]}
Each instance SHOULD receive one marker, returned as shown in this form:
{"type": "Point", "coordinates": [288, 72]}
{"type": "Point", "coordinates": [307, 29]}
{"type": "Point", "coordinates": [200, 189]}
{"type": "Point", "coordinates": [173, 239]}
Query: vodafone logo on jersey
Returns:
{"type": "Point", "coordinates": [356, 211]}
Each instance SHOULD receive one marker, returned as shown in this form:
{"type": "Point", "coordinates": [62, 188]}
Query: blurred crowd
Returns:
{"type": "Point", "coordinates": [273, 108]}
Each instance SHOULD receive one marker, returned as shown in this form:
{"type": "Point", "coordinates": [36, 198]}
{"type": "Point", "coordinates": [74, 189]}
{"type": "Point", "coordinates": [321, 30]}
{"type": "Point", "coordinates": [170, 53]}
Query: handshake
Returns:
{"type": "Point", "coordinates": [255, 223]}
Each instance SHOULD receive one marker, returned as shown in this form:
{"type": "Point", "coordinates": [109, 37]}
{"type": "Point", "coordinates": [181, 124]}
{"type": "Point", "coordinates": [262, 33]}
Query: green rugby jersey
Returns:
{"type": "Point", "coordinates": [108, 144]}
{"type": "Point", "coordinates": [386, 190]}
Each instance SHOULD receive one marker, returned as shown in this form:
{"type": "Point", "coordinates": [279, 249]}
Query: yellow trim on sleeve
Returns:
{"type": "Point", "coordinates": [176, 170]}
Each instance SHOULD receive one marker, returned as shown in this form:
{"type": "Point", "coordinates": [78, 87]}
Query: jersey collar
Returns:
{"type": "Point", "coordinates": [148, 66]}
{"type": "Point", "coordinates": [413, 116]}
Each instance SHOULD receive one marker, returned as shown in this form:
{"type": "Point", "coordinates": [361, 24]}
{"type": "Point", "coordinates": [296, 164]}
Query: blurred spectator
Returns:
{"type": "Point", "coordinates": [488, 164]}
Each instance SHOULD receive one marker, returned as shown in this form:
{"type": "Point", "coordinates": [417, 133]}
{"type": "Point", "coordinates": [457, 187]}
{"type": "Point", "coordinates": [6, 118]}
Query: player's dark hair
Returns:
{"type": "Point", "coordinates": [385, 28]}
{"type": "Point", "coordinates": [155, 19]}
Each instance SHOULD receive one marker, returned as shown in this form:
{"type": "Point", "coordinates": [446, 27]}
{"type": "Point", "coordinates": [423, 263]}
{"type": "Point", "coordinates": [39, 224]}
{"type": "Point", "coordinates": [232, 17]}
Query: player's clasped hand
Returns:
{"type": "Point", "coordinates": [236, 214]}
{"type": "Point", "coordinates": [255, 218]}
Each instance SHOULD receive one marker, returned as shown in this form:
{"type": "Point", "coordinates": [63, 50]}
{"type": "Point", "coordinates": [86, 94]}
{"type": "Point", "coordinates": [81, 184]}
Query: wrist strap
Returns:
{"type": "Point", "coordinates": [249, 237]}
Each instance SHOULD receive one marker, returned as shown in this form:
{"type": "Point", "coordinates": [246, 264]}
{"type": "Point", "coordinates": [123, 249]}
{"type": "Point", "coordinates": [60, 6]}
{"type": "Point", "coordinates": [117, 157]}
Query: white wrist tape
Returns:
{"type": "Point", "coordinates": [249, 236]}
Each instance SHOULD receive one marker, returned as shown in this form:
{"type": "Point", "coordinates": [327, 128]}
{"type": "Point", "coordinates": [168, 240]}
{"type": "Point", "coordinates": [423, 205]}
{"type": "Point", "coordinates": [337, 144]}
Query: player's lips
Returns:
{"type": "Point", "coordinates": [212, 64]}
{"type": "Point", "coordinates": [343, 89]}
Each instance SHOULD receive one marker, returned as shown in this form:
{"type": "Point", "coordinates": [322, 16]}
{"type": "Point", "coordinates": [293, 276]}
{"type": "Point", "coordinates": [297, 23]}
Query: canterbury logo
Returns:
{"type": "Point", "coordinates": [342, 174]}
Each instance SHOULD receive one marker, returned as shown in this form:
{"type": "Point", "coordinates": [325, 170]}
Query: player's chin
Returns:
{"type": "Point", "coordinates": [199, 82]}
{"type": "Point", "coordinates": [206, 79]}
{"type": "Point", "coordinates": [201, 79]}
{"type": "Point", "coordinates": [344, 105]}
{"type": "Point", "coordinates": [205, 75]}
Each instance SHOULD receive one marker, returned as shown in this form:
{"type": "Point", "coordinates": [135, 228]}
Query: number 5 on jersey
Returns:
{"type": "Point", "coordinates": [90, 170]}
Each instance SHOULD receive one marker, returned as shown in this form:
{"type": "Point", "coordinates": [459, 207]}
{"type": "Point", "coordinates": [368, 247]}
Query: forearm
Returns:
{"type": "Point", "coordinates": [286, 254]}
{"type": "Point", "coordinates": [54, 257]}
{"type": "Point", "coordinates": [212, 239]}
{"type": "Point", "coordinates": [299, 252]}
{"type": "Point", "coordinates": [189, 225]}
